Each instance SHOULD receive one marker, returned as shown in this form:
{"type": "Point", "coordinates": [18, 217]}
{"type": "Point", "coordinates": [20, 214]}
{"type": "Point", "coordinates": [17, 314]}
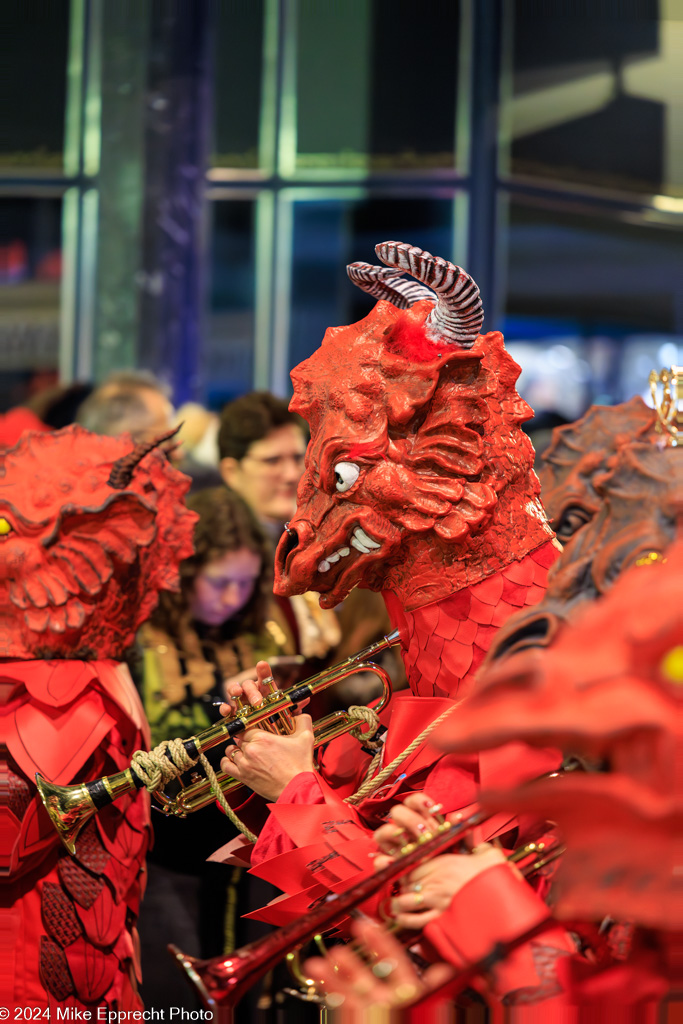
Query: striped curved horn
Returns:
{"type": "Point", "coordinates": [123, 469]}
{"type": "Point", "coordinates": [388, 283]}
{"type": "Point", "coordinates": [458, 313]}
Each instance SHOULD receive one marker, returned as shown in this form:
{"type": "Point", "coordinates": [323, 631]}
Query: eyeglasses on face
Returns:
{"type": "Point", "coordinates": [276, 462]}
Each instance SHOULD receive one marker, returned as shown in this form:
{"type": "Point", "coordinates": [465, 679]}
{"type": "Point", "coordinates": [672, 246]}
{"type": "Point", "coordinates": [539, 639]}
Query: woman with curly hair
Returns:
{"type": "Point", "coordinates": [221, 622]}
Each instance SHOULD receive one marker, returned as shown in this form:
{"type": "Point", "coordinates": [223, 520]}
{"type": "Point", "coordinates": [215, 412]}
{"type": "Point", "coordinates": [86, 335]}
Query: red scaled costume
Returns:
{"type": "Point", "coordinates": [610, 687]}
{"type": "Point", "coordinates": [88, 536]}
{"type": "Point", "coordinates": [418, 484]}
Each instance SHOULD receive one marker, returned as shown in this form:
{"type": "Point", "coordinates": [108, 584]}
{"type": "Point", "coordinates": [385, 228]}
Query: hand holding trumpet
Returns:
{"type": "Point", "coordinates": [428, 890]}
{"type": "Point", "coordinates": [266, 762]}
{"type": "Point", "coordinates": [384, 977]}
{"type": "Point", "coordinates": [379, 972]}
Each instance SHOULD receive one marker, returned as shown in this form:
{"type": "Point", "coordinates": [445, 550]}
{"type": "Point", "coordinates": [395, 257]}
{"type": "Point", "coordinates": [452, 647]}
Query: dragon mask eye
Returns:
{"type": "Point", "coordinates": [345, 475]}
{"type": "Point", "coordinates": [570, 522]}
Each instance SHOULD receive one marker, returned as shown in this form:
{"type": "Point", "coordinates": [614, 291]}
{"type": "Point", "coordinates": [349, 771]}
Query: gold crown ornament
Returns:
{"type": "Point", "coordinates": [667, 403]}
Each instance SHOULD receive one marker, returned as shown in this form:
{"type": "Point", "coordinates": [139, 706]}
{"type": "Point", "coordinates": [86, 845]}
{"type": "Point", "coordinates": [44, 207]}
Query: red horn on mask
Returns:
{"type": "Point", "coordinates": [123, 469]}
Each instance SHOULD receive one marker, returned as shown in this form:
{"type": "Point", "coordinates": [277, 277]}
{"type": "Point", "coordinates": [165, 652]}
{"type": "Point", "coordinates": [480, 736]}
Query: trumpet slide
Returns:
{"type": "Point", "coordinates": [70, 807]}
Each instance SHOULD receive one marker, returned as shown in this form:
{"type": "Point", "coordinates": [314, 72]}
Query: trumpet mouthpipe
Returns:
{"type": "Point", "coordinates": [390, 640]}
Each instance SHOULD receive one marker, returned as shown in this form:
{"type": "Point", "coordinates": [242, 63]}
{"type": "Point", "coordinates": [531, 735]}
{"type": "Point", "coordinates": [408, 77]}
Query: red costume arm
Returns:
{"type": "Point", "coordinates": [314, 838]}
{"type": "Point", "coordinates": [463, 935]}
{"type": "Point", "coordinates": [306, 790]}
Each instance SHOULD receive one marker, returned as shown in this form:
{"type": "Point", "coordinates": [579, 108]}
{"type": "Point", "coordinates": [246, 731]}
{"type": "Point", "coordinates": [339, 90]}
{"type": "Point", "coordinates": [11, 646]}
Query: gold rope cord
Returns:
{"type": "Point", "coordinates": [155, 768]}
{"type": "Point", "coordinates": [369, 784]}
{"type": "Point", "coordinates": [223, 803]}
{"type": "Point", "coordinates": [371, 719]}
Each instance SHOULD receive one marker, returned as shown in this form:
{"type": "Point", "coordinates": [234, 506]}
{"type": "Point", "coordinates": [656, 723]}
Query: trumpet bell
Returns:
{"type": "Point", "coordinates": [220, 982]}
{"type": "Point", "coordinates": [69, 807]}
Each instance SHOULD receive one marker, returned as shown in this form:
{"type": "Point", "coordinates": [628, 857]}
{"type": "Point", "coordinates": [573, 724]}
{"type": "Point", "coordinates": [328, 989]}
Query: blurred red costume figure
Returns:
{"type": "Point", "coordinates": [91, 529]}
{"type": "Point", "coordinates": [418, 484]}
{"type": "Point", "coordinates": [613, 493]}
{"type": "Point", "coordinates": [581, 453]}
{"type": "Point", "coordinates": [620, 510]}
{"type": "Point", "coordinates": [610, 688]}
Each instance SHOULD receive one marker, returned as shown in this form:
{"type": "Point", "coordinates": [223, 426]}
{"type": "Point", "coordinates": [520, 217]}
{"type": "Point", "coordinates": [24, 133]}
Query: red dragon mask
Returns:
{"type": "Point", "coordinates": [91, 528]}
{"type": "Point", "coordinates": [582, 452]}
{"type": "Point", "coordinates": [418, 477]}
{"type": "Point", "coordinates": [621, 509]}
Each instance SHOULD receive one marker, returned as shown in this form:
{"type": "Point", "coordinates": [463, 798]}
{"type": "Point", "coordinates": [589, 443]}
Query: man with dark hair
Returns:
{"type": "Point", "coordinates": [261, 445]}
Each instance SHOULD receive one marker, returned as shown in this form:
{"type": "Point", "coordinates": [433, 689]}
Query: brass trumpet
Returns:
{"type": "Point", "coordinates": [70, 807]}
{"type": "Point", "coordinates": [224, 980]}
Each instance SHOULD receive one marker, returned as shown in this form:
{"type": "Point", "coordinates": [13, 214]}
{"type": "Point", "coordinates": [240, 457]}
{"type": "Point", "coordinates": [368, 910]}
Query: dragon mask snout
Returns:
{"type": "Point", "coordinates": [287, 544]}
{"type": "Point", "coordinates": [332, 558]}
